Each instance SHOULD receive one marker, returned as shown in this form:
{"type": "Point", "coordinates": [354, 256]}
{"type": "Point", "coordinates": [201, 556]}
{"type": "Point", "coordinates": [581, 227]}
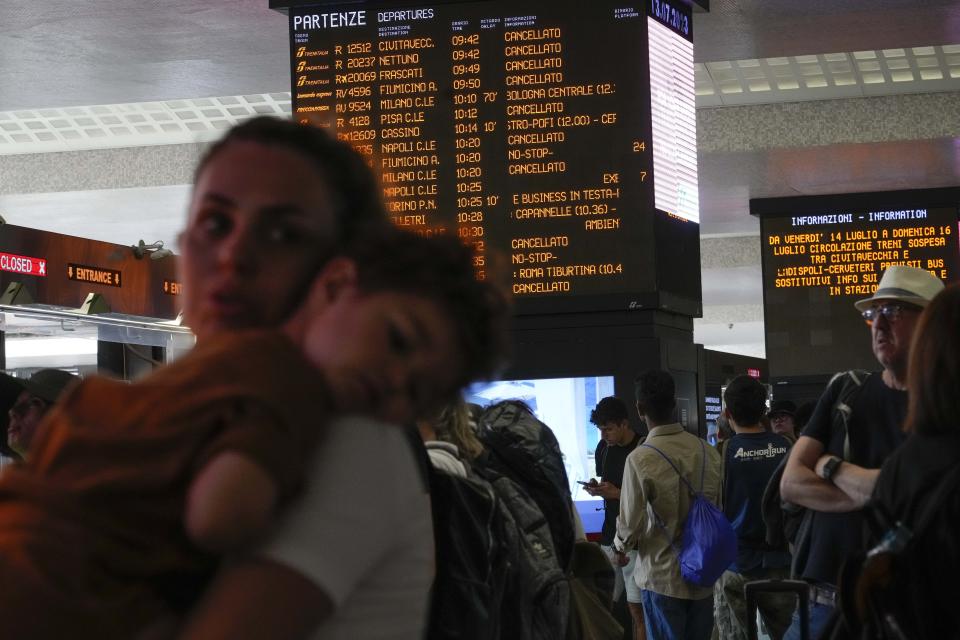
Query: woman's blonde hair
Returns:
{"type": "Point", "coordinates": [452, 424]}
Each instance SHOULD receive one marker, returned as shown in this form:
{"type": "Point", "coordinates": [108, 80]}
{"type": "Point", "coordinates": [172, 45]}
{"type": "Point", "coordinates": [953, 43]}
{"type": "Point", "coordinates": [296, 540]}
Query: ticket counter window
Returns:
{"type": "Point", "coordinates": [118, 346]}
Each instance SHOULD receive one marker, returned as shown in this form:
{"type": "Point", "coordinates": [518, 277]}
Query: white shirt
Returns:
{"type": "Point", "coordinates": [363, 533]}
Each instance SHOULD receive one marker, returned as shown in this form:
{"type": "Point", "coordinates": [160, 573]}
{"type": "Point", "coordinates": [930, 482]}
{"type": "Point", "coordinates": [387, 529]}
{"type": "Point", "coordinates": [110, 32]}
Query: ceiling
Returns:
{"type": "Point", "coordinates": [739, 29]}
{"type": "Point", "coordinates": [56, 54]}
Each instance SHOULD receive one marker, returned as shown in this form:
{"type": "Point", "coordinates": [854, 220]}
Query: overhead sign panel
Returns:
{"type": "Point", "coordinates": [96, 275]}
{"type": "Point", "coordinates": [820, 254]}
{"type": "Point", "coordinates": [71, 268]}
{"type": "Point", "coordinates": [548, 135]}
{"type": "Point", "coordinates": [23, 264]}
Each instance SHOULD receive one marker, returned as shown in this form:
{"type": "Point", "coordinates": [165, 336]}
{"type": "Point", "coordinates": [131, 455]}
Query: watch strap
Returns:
{"type": "Point", "coordinates": [830, 468]}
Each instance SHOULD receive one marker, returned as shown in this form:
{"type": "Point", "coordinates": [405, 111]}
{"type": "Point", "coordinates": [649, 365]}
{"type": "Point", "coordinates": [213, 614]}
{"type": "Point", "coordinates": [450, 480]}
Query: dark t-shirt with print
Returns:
{"type": "Point", "coordinates": [877, 415]}
{"type": "Point", "coordinates": [749, 461]}
{"type": "Point", "coordinates": [610, 462]}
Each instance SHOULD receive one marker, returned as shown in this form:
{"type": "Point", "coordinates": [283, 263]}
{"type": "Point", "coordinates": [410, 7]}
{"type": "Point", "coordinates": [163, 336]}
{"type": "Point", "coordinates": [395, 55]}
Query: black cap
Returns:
{"type": "Point", "coordinates": [782, 407]}
{"type": "Point", "coordinates": [48, 384]}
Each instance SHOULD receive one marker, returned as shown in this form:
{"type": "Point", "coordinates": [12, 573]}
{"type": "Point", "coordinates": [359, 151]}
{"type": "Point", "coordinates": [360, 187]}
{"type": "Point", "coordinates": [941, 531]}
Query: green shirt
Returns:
{"type": "Point", "coordinates": [651, 484]}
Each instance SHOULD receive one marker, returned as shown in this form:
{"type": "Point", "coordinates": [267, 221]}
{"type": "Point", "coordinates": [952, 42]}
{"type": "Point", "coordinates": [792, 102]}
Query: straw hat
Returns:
{"type": "Point", "coordinates": [904, 284]}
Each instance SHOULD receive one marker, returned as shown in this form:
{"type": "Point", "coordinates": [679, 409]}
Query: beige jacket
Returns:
{"type": "Point", "coordinates": [650, 484]}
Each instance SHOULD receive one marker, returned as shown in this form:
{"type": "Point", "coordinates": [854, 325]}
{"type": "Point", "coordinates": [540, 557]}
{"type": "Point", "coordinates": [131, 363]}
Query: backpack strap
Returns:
{"type": "Point", "coordinates": [690, 488]}
{"type": "Point", "coordinates": [703, 464]}
{"type": "Point", "coordinates": [693, 492]}
{"type": "Point", "coordinates": [852, 382]}
{"type": "Point", "coordinates": [419, 450]}
{"type": "Point", "coordinates": [722, 450]}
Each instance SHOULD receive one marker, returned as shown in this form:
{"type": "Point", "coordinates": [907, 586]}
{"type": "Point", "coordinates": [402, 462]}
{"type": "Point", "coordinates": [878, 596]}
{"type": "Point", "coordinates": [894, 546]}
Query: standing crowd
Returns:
{"type": "Point", "coordinates": [850, 506]}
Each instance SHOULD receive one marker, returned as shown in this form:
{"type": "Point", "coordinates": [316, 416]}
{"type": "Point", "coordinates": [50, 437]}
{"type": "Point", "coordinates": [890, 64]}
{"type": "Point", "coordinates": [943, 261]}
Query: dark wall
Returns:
{"type": "Point", "coordinates": [721, 367]}
{"type": "Point", "coordinates": [800, 389]}
{"type": "Point", "coordinates": [618, 344]}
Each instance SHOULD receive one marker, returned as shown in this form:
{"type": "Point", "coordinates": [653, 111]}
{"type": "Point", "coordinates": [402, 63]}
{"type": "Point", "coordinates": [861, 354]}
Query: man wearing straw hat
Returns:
{"type": "Point", "coordinates": [857, 423]}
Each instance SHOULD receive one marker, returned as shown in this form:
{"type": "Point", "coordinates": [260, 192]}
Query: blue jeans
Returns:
{"type": "Point", "coordinates": [669, 618]}
{"type": "Point", "coordinates": [819, 617]}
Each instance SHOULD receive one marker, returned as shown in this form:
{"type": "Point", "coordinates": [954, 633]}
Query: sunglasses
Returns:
{"type": "Point", "coordinates": [890, 310]}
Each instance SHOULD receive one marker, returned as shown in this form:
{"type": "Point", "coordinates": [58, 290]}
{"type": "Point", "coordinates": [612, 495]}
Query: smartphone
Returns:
{"type": "Point", "coordinates": [592, 483]}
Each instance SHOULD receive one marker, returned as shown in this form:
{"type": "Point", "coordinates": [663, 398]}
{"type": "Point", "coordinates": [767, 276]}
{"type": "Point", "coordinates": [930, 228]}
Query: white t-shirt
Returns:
{"type": "Point", "coordinates": [363, 533]}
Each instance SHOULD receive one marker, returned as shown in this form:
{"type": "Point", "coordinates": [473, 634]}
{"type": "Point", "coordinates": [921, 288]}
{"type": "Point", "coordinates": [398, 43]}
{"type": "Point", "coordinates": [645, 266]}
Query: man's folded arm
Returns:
{"type": "Point", "coordinates": [801, 485]}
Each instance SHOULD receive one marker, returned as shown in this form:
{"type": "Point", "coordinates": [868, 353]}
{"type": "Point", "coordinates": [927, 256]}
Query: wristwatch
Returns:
{"type": "Point", "coordinates": [830, 468]}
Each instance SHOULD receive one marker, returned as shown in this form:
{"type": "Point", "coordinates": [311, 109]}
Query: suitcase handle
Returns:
{"type": "Point", "coordinates": [799, 587]}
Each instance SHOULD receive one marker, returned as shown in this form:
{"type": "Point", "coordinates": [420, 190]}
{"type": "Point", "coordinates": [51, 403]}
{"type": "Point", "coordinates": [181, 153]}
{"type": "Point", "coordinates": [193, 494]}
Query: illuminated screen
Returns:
{"type": "Point", "coordinates": [548, 135]}
{"type": "Point", "coordinates": [713, 406]}
{"type": "Point", "coordinates": [563, 404]}
{"type": "Point", "coordinates": [820, 259]}
{"type": "Point", "coordinates": [673, 114]}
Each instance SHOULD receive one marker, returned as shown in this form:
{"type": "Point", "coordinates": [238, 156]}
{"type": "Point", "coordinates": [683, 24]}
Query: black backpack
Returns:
{"type": "Point", "coordinates": [591, 588]}
{"type": "Point", "coordinates": [525, 450]}
{"type": "Point", "coordinates": [472, 558]}
{"type": "Point", "coordinates": [787, 524]}
{"type": "Point", "coordinates": [536, 599]}
{"type": "Point", "coordinates": [904, 588]}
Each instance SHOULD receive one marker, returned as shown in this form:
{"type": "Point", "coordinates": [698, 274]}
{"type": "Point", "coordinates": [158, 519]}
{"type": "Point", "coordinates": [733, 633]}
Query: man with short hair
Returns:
{"type": "Point", "coordinates": [618, 439]}
{"type": "Point", "coordinates": [831, 469]}
{"type": "Point", "coordinates": [654, 504]}
{"type": "Point", "coordinates": [783, 419]}
{"type": "Point", "coordinates": [749, 459]}
{"type": "Point", "coordinates": [40, 392]}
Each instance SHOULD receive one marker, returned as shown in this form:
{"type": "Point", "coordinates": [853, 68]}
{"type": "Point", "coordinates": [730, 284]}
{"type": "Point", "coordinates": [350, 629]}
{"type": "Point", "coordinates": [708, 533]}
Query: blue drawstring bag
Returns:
{"type": "Point", "coordinates": [708, 544]}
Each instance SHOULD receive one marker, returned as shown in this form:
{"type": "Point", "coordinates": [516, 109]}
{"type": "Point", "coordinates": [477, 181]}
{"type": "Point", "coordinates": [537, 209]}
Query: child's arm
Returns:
{"type": "Point", "coordinates": [258, 599]}
{"type": "Point", "coordinates": [230, 502]}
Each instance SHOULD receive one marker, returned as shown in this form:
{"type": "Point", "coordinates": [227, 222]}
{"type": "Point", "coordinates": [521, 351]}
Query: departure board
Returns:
{"type": "Point", "coordinates": [548, 135]}
{"type": "Point", "coordinates": [822, 254]}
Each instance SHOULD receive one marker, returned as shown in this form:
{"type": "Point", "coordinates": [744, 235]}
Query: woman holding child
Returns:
{"type": "Point", "coordinates": [293, 281]}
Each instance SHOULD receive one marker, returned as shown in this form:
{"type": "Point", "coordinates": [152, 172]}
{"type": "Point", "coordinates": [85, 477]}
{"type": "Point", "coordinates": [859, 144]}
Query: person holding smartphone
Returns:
{"type": "Point", "coordinates": [618, 439]}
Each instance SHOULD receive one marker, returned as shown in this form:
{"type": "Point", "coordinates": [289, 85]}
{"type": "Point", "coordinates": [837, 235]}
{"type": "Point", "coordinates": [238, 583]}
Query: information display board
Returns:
{"type": "Point", "coordinates": [821, 254]}
{"type": "Point", "coordinates": [549, 135]}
